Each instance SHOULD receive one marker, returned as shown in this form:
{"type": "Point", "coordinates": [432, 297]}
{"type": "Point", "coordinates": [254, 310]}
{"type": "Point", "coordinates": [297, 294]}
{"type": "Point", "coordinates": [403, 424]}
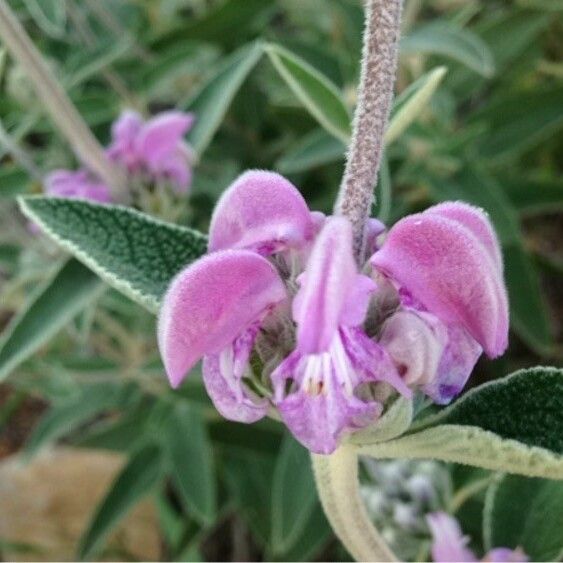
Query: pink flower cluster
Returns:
{"type": "Point", "coordinates": [151, 149]}
{"type": "Point", "coordinates": [285, 318]}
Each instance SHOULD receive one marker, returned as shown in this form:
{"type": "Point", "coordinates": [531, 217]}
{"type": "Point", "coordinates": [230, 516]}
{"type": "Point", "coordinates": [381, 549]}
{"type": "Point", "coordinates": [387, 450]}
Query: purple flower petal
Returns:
{"type": "Point", "coordinates": [505, 555]}
{"type": "Point", "coordinates": [448, 544]}
{"type": "Point", "coordinates": [124, 132]}
{"type": "Point", "coordinates": [160, 137]}
{"type": "Point", "coordinates": [260, 211]}
{"type": "Point", "coordinates": [223, 373]}
{"type": "Point", "coordinates": [457, 363]}
{"type": "Point", "coordinates": [326, 288]}
{"type": "Point", "coordinates": [76, 185]}
{"type": "Point", "coordinates": [415, 342]}
{"type": "Point", "coordinates": [449, 270]}
{"type": "Point", "coordinates": [210, 303]}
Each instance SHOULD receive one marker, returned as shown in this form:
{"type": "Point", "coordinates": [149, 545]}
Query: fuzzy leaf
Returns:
{"type": "Point", "coordinates": [132, 252]}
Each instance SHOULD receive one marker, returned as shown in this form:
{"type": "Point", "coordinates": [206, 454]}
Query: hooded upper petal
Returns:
{"type": "Point", "coordinates": [448, 269]}
{"type": "Point", "coordinates": [449, 544]}
{"type": "Point", "coordinates": [160, 137]}
{"type": "Point", "coordinates": [260, 211]}
{"type": "Point", "coordinates": [210, 303]}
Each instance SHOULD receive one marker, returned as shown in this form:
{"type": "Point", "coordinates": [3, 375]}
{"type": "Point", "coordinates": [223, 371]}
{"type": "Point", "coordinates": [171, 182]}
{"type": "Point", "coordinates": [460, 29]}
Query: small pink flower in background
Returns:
{"type": "Point", "coordinates": [154, 147]}
{"type": "Point", "coordinates": [450, 545]}
{"type": "Point", "coordinates": [332, 338]}
{"type": "Point", "coordinates": [76, 184]}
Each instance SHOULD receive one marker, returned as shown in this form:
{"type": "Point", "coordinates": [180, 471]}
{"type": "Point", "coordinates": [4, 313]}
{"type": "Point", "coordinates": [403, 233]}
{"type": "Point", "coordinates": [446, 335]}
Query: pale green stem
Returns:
{"type": "Point", "coordinates": [379, 66]}
{"type": "Point", "coordinates": [19, 154]}
{"type": "Point", "coordinates": [337, 480]}
{"type": "Point", "coordinates": [54, 98]}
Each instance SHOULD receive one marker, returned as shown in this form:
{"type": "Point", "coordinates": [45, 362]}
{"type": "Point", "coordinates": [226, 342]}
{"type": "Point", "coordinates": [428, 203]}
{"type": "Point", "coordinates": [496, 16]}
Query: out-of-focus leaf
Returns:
{"type": "Point", "coordinates": [261, 439]}
{"type": "Point", "coordinates": [54, 304]}
{"type": "Point", "coordinates": [138, 477]}
{"type": "Point", "coordinates": [450, 41]}
{"type": "Point", "coordinates": [189, 451]}
{"type": "Point", "coordinates": [315, 91]}
{"type": "Point", "coordinates": [514, 424]}
{"type": "Point", "coordinates": [519, 121]}
{"type": "Point", "coordinates": [13, 181]}
{"type": "Point", "coordinates": [65, 417]}
{"type": "Point", "coordinates": [315, 149]}
{"type": "Point", "coordinates": [530, 196]}
{"type": "Point", "coordinates": [412, 102]}
{"type": "Point", "coordinates": [49, 15]}
{"type": "Point", "coordinates": [133, 252]}
{"type": "Point", "coordinates": [547, 5]}
{"type": "Point", "coordinates": [225, 23]}
{"type": "Point", "coordinates": [526, 513]}
{"type": "Point", "coordinates": [212, 101]}
{"type": "Point", "coordinates": [294, 495]}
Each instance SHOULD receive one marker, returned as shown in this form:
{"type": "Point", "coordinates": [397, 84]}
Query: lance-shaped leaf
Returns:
{"type": "Point", "coordinates": [514, 424]}
{"type": "Point", "coordinates": [134, 253]}
{"type": "Point", "coordinates": [315, 91]}
{"type": "Point", "coordinates": [515, 516]}
{"type": "Point", "coordinates": [71, 289]}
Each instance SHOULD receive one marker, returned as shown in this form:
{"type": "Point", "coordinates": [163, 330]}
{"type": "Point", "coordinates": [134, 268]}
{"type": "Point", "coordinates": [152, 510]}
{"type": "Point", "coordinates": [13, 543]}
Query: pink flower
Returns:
{"type": "Point", "coordinates": [76, 184]}
{"type": "Point", "coordinates": [154, 147]}
{"type": "Point", "coordinates": [450, 545]}
{"type": "Point", "coordinates": [284, 317]}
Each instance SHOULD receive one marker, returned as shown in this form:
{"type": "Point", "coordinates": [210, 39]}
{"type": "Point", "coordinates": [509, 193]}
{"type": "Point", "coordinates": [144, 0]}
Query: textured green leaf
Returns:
{"type": "Point", "coordinates": [293, 495]}
{"type": "Point", "coordinates": [526, 406]}
{"type": "Point", "coordinates": [314, 90]}
{"type": "Point", "coordinates": [72, 288]}
{"type": "Point", "coordinates": [132, 252]}
{"type": "Point", "coordinates": [189, 450]}
{"type": "Point", "coordinates": [450, 41]}
{"type": "Point", "coordinates": [137, 478]}
{"type": "Point", "coordinates": [315, 149]}
{"type": "Point", "coordinates": [527, 513]}
{"type": "Point", "coordinates": [412, 102]}
{"type": "Point", "coordinates": [514, 424]}
{"type": "Point", "coordinates": [212, 101]}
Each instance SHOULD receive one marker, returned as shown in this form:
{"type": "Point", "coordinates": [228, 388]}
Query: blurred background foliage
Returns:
{"type": "Point", "coordinates": [272, 83]}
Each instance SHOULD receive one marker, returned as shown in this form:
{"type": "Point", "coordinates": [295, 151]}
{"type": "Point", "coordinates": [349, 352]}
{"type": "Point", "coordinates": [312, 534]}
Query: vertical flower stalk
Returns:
{"type": "Point", "coordinates": [336, 475]}
{"type": "Point", "coordinates": [57, 103]}
{"type": "Point", "coordinates": [379, 65]}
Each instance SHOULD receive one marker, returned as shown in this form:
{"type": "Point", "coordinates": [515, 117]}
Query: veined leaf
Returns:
{"type": "Point", "coordinates": [412, 102]}
{"type": "Point", "coordinates": [132, 252]}
{"type": "Point", "coordinates": [139, 476]}
{"type": "Point", "coordinates": [293, 495]}
{"type": "Point", "coordinates": [514, 424]}
{"type": "Point", "coordinates": [450, 41]}
{"type": "Point", "coordinates": [72, 288]}
{"type": "Point", "coordinates": [315, 91]}
{"type": "Point", "coordinates": [212, 101]}
{"type": "Point", "coordinates": [189, 449]}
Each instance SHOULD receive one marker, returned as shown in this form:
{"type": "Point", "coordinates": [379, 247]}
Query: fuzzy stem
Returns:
{"type": "Point", "coordinates": [337, 480]}
{"type": "Point", "coordinates": [379, 66]}
{"type": "Point", "coordinates": [57, 103]}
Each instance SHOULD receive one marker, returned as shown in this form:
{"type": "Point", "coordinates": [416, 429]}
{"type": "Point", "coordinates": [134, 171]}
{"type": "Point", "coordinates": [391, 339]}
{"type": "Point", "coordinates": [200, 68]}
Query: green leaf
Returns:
{"type": "Point", "coordinates": [450, 41]}
{"type": "Point", "coordinates": [315, 149]}
{"type": "Point", "coordinates": [189, 451]}
{"type": "Point", "coordinates": [211, 102]}
{"type": "Point", "coordinates": [530, 195]}
{"type": "Point", "coordinates": [134, 253]}
{"type": "Point", "coordinates": [293, 495]}
{"type": "Point", "coordinates": [138, 477]}
{"type": "Point", "coordinates": [49, 310]}
{"type": "Point", "coordinates": [526, 513]}
{"type": "Point", "coordinates": [412, 102]}
{"type": "Point", "coordinates": [514, 424]}
{"type": "Point", "coordinates": [314, 90]}
{"type": "Point", "coordinates": [66, 416]}
{"type": "Point", "coordinates": [49, 15]}
{"type": "Point", "coordinates": [511, 130]}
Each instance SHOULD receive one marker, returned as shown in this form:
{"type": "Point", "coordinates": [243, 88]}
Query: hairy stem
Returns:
{"type": "Point", "coordinates": [57, 103]}
{"type": "Point", "coordinates": [337, 481]}
{"type": "Point", "coordinates": [379, 66]}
